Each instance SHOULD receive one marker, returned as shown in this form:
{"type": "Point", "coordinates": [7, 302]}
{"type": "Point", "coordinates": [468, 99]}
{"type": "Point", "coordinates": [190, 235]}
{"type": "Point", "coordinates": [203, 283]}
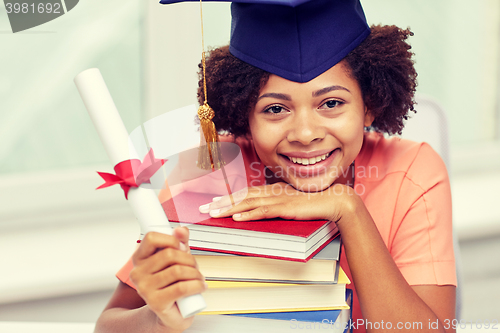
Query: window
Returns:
{"type": "Point", "coordinates": [49, 149]}
{"type": "Point", "coordinates": [457, 59]}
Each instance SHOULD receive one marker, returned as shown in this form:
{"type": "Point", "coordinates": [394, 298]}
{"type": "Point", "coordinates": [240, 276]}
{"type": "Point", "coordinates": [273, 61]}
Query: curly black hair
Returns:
{"type": "Point", "coordinates": [382, 64]}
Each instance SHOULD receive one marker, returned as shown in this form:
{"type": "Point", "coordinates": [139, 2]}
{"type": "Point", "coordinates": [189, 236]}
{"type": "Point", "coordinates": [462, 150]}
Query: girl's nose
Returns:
{"type": "Point", "coordinates": [306, 128]}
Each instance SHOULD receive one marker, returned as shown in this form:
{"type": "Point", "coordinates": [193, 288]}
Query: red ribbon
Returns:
{"type": "Point", "coordinates": [125, 172]}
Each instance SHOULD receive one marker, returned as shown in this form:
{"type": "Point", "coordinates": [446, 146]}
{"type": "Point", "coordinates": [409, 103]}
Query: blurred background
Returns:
{"type": "Point", "coordinates": [61, 242]}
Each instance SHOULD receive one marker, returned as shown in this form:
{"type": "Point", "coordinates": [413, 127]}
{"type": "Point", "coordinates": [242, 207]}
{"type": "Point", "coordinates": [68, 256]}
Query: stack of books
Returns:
{"type": "Point", "coordinates": [272, 276]}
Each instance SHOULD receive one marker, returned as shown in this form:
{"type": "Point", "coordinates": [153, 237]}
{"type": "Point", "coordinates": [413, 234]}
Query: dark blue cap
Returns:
{"type": "Point", "coordinates": [295, 39]}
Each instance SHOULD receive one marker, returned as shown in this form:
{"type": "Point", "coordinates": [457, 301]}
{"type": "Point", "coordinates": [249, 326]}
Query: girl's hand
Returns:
{"type": "Point", "coordinates": [284, 201]}
{"type": "Point", "coordinates": [164, 271]}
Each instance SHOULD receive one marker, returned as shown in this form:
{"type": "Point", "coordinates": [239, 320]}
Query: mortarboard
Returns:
{"type": "Point", "coordinates": [295, 39]}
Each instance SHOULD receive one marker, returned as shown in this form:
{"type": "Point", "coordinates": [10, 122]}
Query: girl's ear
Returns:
{"type": "Point", "coordinates": [369, 118]}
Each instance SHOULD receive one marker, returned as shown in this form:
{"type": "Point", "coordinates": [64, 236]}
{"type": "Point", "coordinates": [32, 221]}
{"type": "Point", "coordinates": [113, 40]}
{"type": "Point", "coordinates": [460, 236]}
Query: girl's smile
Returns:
{"type": "Point", "coordinates": [308, 164]}
{"type": "Point", "coordinates": [309, 133]}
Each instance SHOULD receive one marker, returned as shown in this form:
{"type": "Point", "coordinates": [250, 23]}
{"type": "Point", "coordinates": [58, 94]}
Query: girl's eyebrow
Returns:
{"type": "Point", "coordinates": [328, 89]}
{"type": "Point", "coordinates": [316, 93]}
{"type": "Point", "coordinates": [276, 95]}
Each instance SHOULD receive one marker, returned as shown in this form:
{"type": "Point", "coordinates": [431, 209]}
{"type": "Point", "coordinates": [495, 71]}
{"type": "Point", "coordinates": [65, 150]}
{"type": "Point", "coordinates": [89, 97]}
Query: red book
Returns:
{"type": "Point", "coordinates": [276, 238]}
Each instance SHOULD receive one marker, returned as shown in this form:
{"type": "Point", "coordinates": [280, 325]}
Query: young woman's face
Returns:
{"type": "Point", "coordinates": [309, 133]}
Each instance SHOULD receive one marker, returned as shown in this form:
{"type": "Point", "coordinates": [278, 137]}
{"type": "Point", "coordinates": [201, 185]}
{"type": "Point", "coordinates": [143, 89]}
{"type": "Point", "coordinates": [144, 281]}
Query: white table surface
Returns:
{"type": "Point", "coordinates": [38, 327]}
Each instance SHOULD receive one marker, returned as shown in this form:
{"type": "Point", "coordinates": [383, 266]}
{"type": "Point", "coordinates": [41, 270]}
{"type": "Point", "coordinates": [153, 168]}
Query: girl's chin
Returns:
{"type": "Point", "coordinates": [310, 185]}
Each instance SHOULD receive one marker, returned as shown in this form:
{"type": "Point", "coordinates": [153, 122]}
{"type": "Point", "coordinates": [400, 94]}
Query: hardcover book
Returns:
{"type": "Point", "coordinates": [225, 297]}
{"type": "Point", "coordinates": [277, 238]}
{"type": "Point", "coordinates": [322, 268]}
{"type": "Point", "coordinates": [335, 321]}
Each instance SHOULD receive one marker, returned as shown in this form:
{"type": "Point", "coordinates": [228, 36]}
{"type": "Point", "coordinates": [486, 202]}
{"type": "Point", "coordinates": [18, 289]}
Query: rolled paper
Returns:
{"type": "Point", "coordinates": [114, 137]}
{"type": "Point", "coordinates": [104, 115]}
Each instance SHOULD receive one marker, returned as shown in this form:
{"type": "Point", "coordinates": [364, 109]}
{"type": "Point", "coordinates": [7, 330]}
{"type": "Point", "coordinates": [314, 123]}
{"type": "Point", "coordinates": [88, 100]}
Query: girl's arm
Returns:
{"type": "Point", "coordinates": [383, 292]}
{"type": "Point", "coordinates": [127, 312]}
{"type": "Point", "coordinates": [164, 271]}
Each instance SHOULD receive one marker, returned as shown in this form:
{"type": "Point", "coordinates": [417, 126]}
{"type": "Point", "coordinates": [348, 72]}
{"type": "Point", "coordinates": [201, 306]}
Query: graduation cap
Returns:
{"type": "Point", "coordinates": [295, 39]}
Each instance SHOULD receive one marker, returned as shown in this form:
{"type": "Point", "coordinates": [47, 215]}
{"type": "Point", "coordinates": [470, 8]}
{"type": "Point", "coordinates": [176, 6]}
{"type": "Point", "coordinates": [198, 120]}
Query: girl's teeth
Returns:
{"type": "Point", "coordinates": [309, 161]}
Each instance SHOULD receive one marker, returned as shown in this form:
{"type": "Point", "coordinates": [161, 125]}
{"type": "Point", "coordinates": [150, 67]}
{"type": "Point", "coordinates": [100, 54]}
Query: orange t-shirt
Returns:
{"type": "Point", "coordinates": [406, 189]}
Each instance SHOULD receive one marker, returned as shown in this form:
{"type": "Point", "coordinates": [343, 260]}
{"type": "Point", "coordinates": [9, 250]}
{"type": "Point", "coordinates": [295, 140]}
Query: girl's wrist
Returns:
{"type": "Point", "coordinates": [159, 325]}
{"type": "Point", "coordinates": [161, 328]}
{"type": "Point", "coordinates": [348, 203]}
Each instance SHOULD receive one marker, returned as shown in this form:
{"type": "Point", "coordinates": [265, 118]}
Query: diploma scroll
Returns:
{"type": "Point", "coordinates": [115, 139]}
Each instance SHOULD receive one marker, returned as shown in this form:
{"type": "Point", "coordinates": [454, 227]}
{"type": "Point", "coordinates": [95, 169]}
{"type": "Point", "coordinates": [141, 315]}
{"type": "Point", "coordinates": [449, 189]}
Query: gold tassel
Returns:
{"type": "Point", "coordinates": [209, 154]}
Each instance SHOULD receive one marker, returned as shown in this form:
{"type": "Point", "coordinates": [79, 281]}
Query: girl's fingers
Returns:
{"type": "Point", "coordinates": [164, 268]}
{"type": "Point", "coordinates": [182, 234]}
{"type": "Point", "coordinates": [260, 213]}
{"type": "Point", "coordinates": [225, 201]}
{"type": "Point", "coordinates": [251, 199]}
{"type": "Point", "coordinates": [166, 258]}
{"type": "Point", "coordinates": [181, 289]}
{"type": "Point", "coordinates": [153, 241]}
{"type": "Point", "coordinates": [171, 275]}
{"type": "Point", "coordinates": [237, 198]}
{"type": "Point", "coordinates": [250, 203]}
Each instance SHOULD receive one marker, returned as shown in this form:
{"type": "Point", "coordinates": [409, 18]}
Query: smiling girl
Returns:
{"type": "Point", "coordinates": [389, 197]}
{"type": "Point", "coordinates": [318, 131]}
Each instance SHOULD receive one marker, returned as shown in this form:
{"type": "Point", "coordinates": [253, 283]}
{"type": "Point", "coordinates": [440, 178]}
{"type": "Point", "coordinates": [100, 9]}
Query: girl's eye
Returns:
{"type": "Point", "coordinates": [330, 104]}
{"type": "Point", "coordinates": [275, 109]}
